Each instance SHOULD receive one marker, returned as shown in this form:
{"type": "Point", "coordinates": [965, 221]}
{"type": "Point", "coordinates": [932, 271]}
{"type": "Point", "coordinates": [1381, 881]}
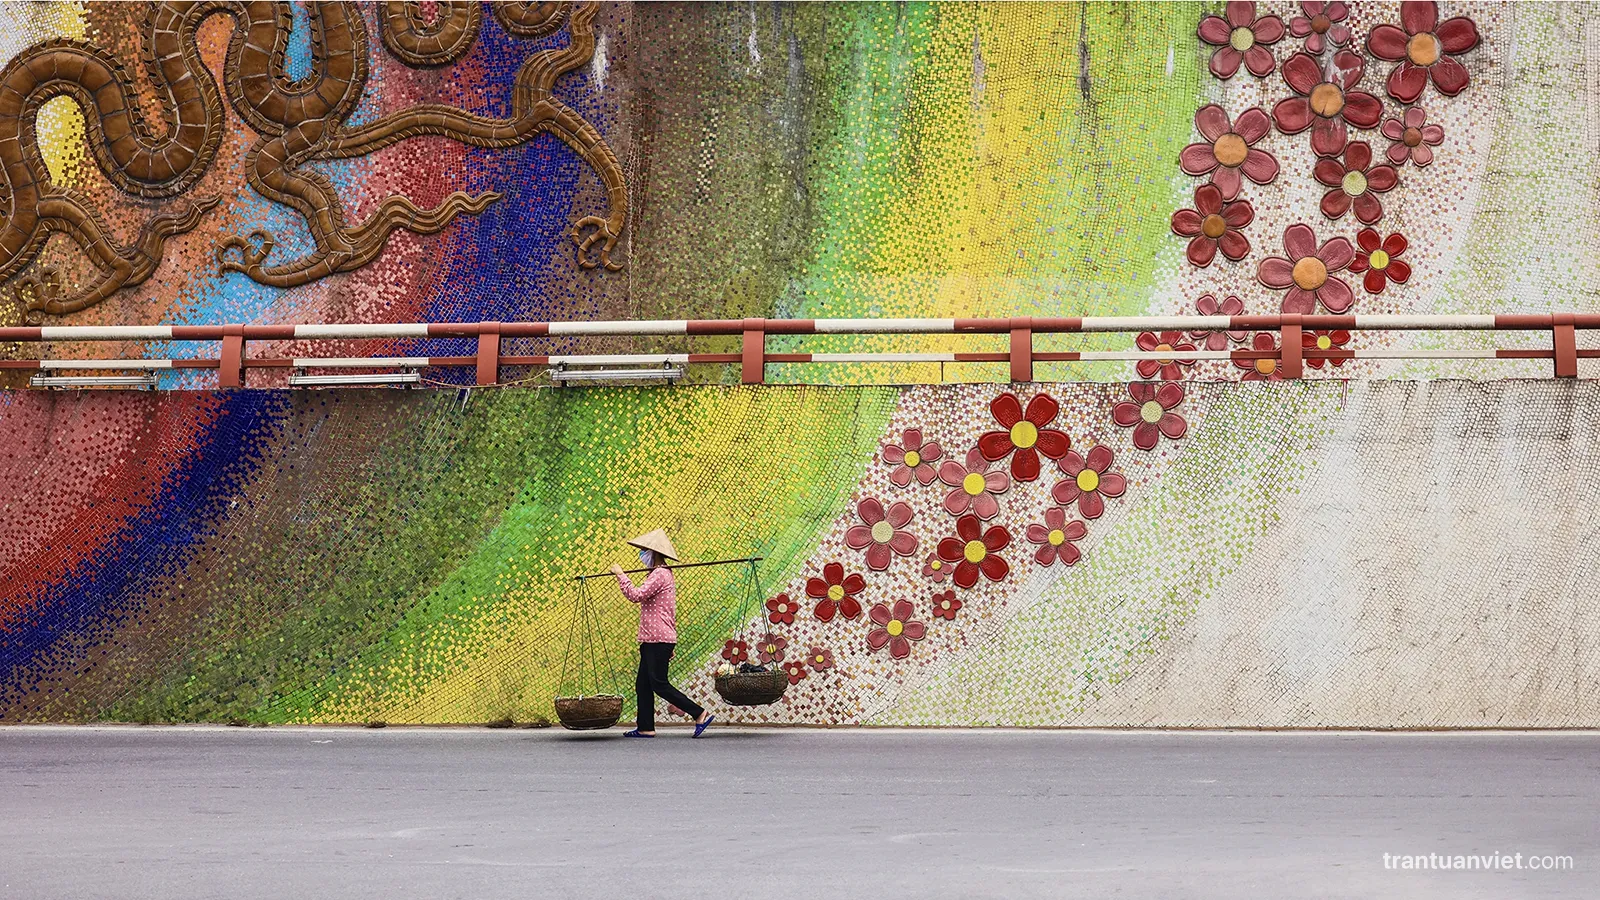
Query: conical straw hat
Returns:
{"type": "Point", "coordinates": [658, 541]}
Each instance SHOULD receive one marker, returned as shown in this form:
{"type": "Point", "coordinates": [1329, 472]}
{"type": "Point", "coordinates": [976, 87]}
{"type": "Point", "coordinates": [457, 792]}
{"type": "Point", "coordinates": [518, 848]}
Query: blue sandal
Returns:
{"type": "Point", "coordinates": [635, 734]}
{"type": "Point", "coordinates": [700, 727]}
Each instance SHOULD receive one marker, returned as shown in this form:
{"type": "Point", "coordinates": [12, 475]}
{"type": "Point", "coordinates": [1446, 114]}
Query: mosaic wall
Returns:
{"type": "Point", "coordinates": [1150, 544]}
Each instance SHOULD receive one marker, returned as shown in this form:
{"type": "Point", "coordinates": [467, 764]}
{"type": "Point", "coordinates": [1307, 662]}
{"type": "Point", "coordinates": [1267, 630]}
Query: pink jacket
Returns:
{"type": "Point", "coordinates": [658, 606]}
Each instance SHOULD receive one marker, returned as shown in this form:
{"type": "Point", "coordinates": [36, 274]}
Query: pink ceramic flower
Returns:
{"type": "Point", "coordinates": [912, 458]}
{"type": "Point", "coordinates": [1307, 272]}
{"type": "Point", "coordinates": [1322, 25]}
{"type": "Point", "coordinates": [1088, 482]}
{"type": "Point", "coordinates": [1324, 103]}
{"type": "Point", "coordinates": [945, 605]}
{"type": "Point", "coordinates": [973, 486]}
{"type": "Point", "coordinates": [1324, 340]}
{"type": "Point", "coordinates": [820, 658]}
{"type": "Point", "coordinates": [1170, 369]}
{"type": "Point", "coordinates": [881, 535]}
{"type": "Point", "coordinates": [781, 610]}
{"type": "Point", "coordinates": [1413, 137]}
{"type": "Point", "coordinates": [1241, 37]}
{"type": "Point", "coordinates": [895, 628]}
{"type": "Point", "coordinates": [1424, 49]}
{"type": "Point", "coordinates": [935, 569]}
{"type": "Point", "coordinates": [1355, 182]}
{"type": "Point", "coordinates": [1380, 260]}
{"type": "Point", "coordinates": [976, 549]}
{"type": "Point", "coordinates": [1055, 538]}
{"type": "Point", "coordinates": [1265, 369]}
{"type": "Point", "coordinates": [1025, 434]}
{"type": "Point", "coordinates": [1213, 225]}
{"type": "Point", "coordinates": [796, 670]}
{"type": "Point", "coordinates": [1230, 306]}
{"type": "Point", "coordinates": [1150, 414]}
{"type": "Point", "coordinates": [1229, 149]}
{"type": "Point", "coordinates": [735, 652]}
{"type": "Point", "coordinates": [770, 648]}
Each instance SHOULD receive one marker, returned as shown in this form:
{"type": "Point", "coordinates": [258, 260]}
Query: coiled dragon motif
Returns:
{"type": "Point", "coordinates": [298, 122]}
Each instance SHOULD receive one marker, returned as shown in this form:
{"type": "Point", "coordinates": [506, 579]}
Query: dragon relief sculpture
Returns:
{"type": "Point", "coordinates": [298, 122]}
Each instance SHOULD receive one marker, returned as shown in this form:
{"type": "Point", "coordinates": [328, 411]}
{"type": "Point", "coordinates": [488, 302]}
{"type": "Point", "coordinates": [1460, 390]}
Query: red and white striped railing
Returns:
{"type": "Point", "coordinates": [232, 360]}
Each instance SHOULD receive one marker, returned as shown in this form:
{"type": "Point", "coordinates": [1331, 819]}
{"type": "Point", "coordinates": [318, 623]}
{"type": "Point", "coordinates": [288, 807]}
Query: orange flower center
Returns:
{"type": "Point", "coordinates": [1327, 100]}
{"type": "Point", "coordinates": [975, 551]}
{"type": "Point", "coordinates": [1088, 480]}
{"type": "Point", "coordinates": [1310, 273]}
{"type": "Point", "coordinates": [894, 627]}
{"type": "Point", "coordinates": [1412, 137]}
{"type": "Point", "coordinates": [1213, 227]}
{"type": "Point", "coordinates": [1354, 183]}
{"type": "Point", "coordinates": [1423, 49]}
{"type": "Point", "coordinates": [1266, 366]}
{"type": "Point", "coordinates": [1230, 150]}
{"type": "Point", "coordinates": [1378, 260]}
{"type": "Point", "coordinates": [1320, 23]}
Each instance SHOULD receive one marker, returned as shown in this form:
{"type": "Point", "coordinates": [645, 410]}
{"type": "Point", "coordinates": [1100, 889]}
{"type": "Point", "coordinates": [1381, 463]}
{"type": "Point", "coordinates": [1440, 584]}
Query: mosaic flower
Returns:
{"type": "Point", "coordinates": [973, 486]}
{"type": "Point", "coordinates": [1026, 434]}
{"type": "Point", "coordinates": [1265, 369]}
{"type": "Point", "coordinates": [819, 658]}
{"type": "Point", "coordinates": [1308, 271]}
{"type": "Point", "coordinates": [1055, 538]}
{"type": "Point", "coordinates": [1325, 104]}
{"type": "Point", "coordinates": [881, 536]}
{"type": "Point", "coordinates": [976, 549]}
{"type": "Point", "coordinates": [836, 592]}
{"type": "Point", "coordinates": [912, 458]}
{"type": "Point", "coordinates": [1170, 369]}
{"type": "Point", "coordinates": [735, 652]}
{"type": "Point", "coordinates": [1324, 340]}
{"type": "Point", "coordinates": [1241, 37]}
{"type": "Point", "coordinates": [1213, 225]}
{"type": "Point", "coordinates": [1207, 306]}
{"type": "Point", "coordinates": [781, 610]}
{"type": "Point", "coordinates": [1088, 481]}
{"type": "Point", "coordinates": [1322, 25]}
{"type": "Point", "coordinates": [796, 670]}
{"type": "Point", "coordinates": [1150, 414]}
{"type": "Point", "coordinates": [1424, 49]}
{"type": "Point", "coordinates": [1355, 182]}
{"type": "Point", "coordinates": [1229, 149]}
{"type": "Point", "coordinates": [1380, 260]}
{"type": "Point", "coordinates": [770, 648]}
{"type": "Point", "coordinates": [935, 569]}
{"type": "Point", "coordinates": [895, 628]}
{"type": "Point", "coordinates": [1413, 137]}
{"type": "Point", "coordinates": [946, 605]}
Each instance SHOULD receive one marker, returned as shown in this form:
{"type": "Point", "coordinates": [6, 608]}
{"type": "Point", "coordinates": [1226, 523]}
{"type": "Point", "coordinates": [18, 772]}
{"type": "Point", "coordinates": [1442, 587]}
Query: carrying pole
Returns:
{"type": "Point", "coordinates": [715, 562]}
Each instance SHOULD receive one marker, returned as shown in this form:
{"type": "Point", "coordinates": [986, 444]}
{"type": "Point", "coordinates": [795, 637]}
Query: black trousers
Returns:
{"type": "Point", "coordinates": [652, 682]}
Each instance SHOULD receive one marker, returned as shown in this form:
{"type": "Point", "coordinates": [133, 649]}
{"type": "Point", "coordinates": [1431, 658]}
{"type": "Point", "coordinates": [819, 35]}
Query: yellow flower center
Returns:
{"type": "Point", "coordinates": [1151, 411]}
{"type": "Point", "coordinates": [1213, 226]}
{"type": "Point", "coordinates": [936, 565]}
{"type": "Point", "coordinates": [1327, 100]}
{"type": "Point", "coordinates": [894, 627]}
{"type": "Point", "coordinates": [1057, 537]}
{"type": "Point", "coordinates": [1378, 260]}
{"type": "Point", "coordinates": [1423, 49]}
{"type": "Point", "coordinates": [975, 551]}
{"type": "Point", "coordinates": [1266, 366]}
{"type": "Point", "coordinates": [1324, 342]}
{"type": "Point", "coordinates": [1024, 434]}
{"type": "Point", "coordinates": [819, 658]}
{"type": "Point", "coordinates": [1355, 183]}
{"type": "Point", "coordinates": [1089, 479]}
{"type": "Point", "coordinates": [973, 483]}
{"type": "Point", "coordinates": [913, 458]}
{"type": "Point", "coordinates": [1310, 273]}
{"type": "Point", "coordinates": [1242, 39]}
{"type": "Point", "coordinates": [1230, 150]}
{"type": "Point", "coordinates": [771, 649]}
{"type": "Point", "coordinates": [882, 532]}
{"type": "Point", "coordinates": [836, 592]}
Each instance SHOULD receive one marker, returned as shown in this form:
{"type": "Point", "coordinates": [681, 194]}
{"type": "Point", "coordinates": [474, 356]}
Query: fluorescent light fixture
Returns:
{"type": "Point", "coordinates": [48, 381]}
{"type": "Point", "coordinates": [561, 375]}
{"type": "Point", "coordinates": [300, 380]}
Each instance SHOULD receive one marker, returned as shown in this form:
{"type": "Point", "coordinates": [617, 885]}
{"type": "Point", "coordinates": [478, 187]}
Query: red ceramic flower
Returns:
{"type": "Point", "coordinates": [1380, 261]}
{"type": "Point", "coordinates": [781, 610]}
{"type": "Point", "coordinates": [1265, 369]}
{"type": "Point", "coordinates": [1055, 538]}
{"type": "Point", "coordinates": [1169, 368]}
{"type": "Point", "coordinates": [1325, 103]}
{"type": "Point", "coordinates": [973, 486]}
{"type": "Point", "coordinates": [1213, 225]}
{"type": "Point", "coordinates": [836, 593]}
{"type": "Point", "coordinates": [1356, 182]}
{"type": "Point", "coordinates": [946, 605]}
{"type": "Point", "coordinates": [895, 628]}
{"type": "Point", "coordinates": [1307, 272]}
{"type": "Point", "coordinates": [1088, 482]}
{"type": "Point", "coordinates": [1322, 25]}
{"type": "Point", "coordinates": [1241, 37]}
{"type": "Point", "coordinates": [1207, 306]}
{"type": "Point", "coordinates": [735, 651]}
{"type": "Point", "coordinates": [1229, 149]}
{"type": "Point", "coordinates": [1026, 435]}
{"type": "Point", "coordinates": [795, 669]}
{"type": "Point", "coordinates": [770, 648]}
{"type": "Point", "coordinates": [881, 535]}
{"type": "Point", "coordinates": [1324, 340]}
{"type": "Point", "coordinates": [975, 550]}
{"type": "Point", "coordinates": [1150, 414]}
{"type": "Point", "coordinates": [1412, 137]}
{"type": "Point", "coordinates": [935, 569]}
{"type": "Point", "coordinates": [912, 458]}
{"type": "Point", "coordinates": [820, 658]}
{"type": "Point", "coordinates": [1423, 49]}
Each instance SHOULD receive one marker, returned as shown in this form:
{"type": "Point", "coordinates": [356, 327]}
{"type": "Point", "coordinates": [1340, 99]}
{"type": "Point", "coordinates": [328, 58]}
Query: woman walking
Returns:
{"type": "Point", "coordinates": [658, 633]}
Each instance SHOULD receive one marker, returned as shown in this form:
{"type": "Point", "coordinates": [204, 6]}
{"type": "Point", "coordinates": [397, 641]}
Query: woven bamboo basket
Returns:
{"type": "Point", "coordinates": [752, 688]}
{"type": "Point", "coordinates": [589, 713]}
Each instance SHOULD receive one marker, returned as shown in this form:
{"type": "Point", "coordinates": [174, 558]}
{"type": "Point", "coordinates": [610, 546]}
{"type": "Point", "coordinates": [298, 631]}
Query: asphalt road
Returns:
{"type": "Point", "coordinates": [397, 813]}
